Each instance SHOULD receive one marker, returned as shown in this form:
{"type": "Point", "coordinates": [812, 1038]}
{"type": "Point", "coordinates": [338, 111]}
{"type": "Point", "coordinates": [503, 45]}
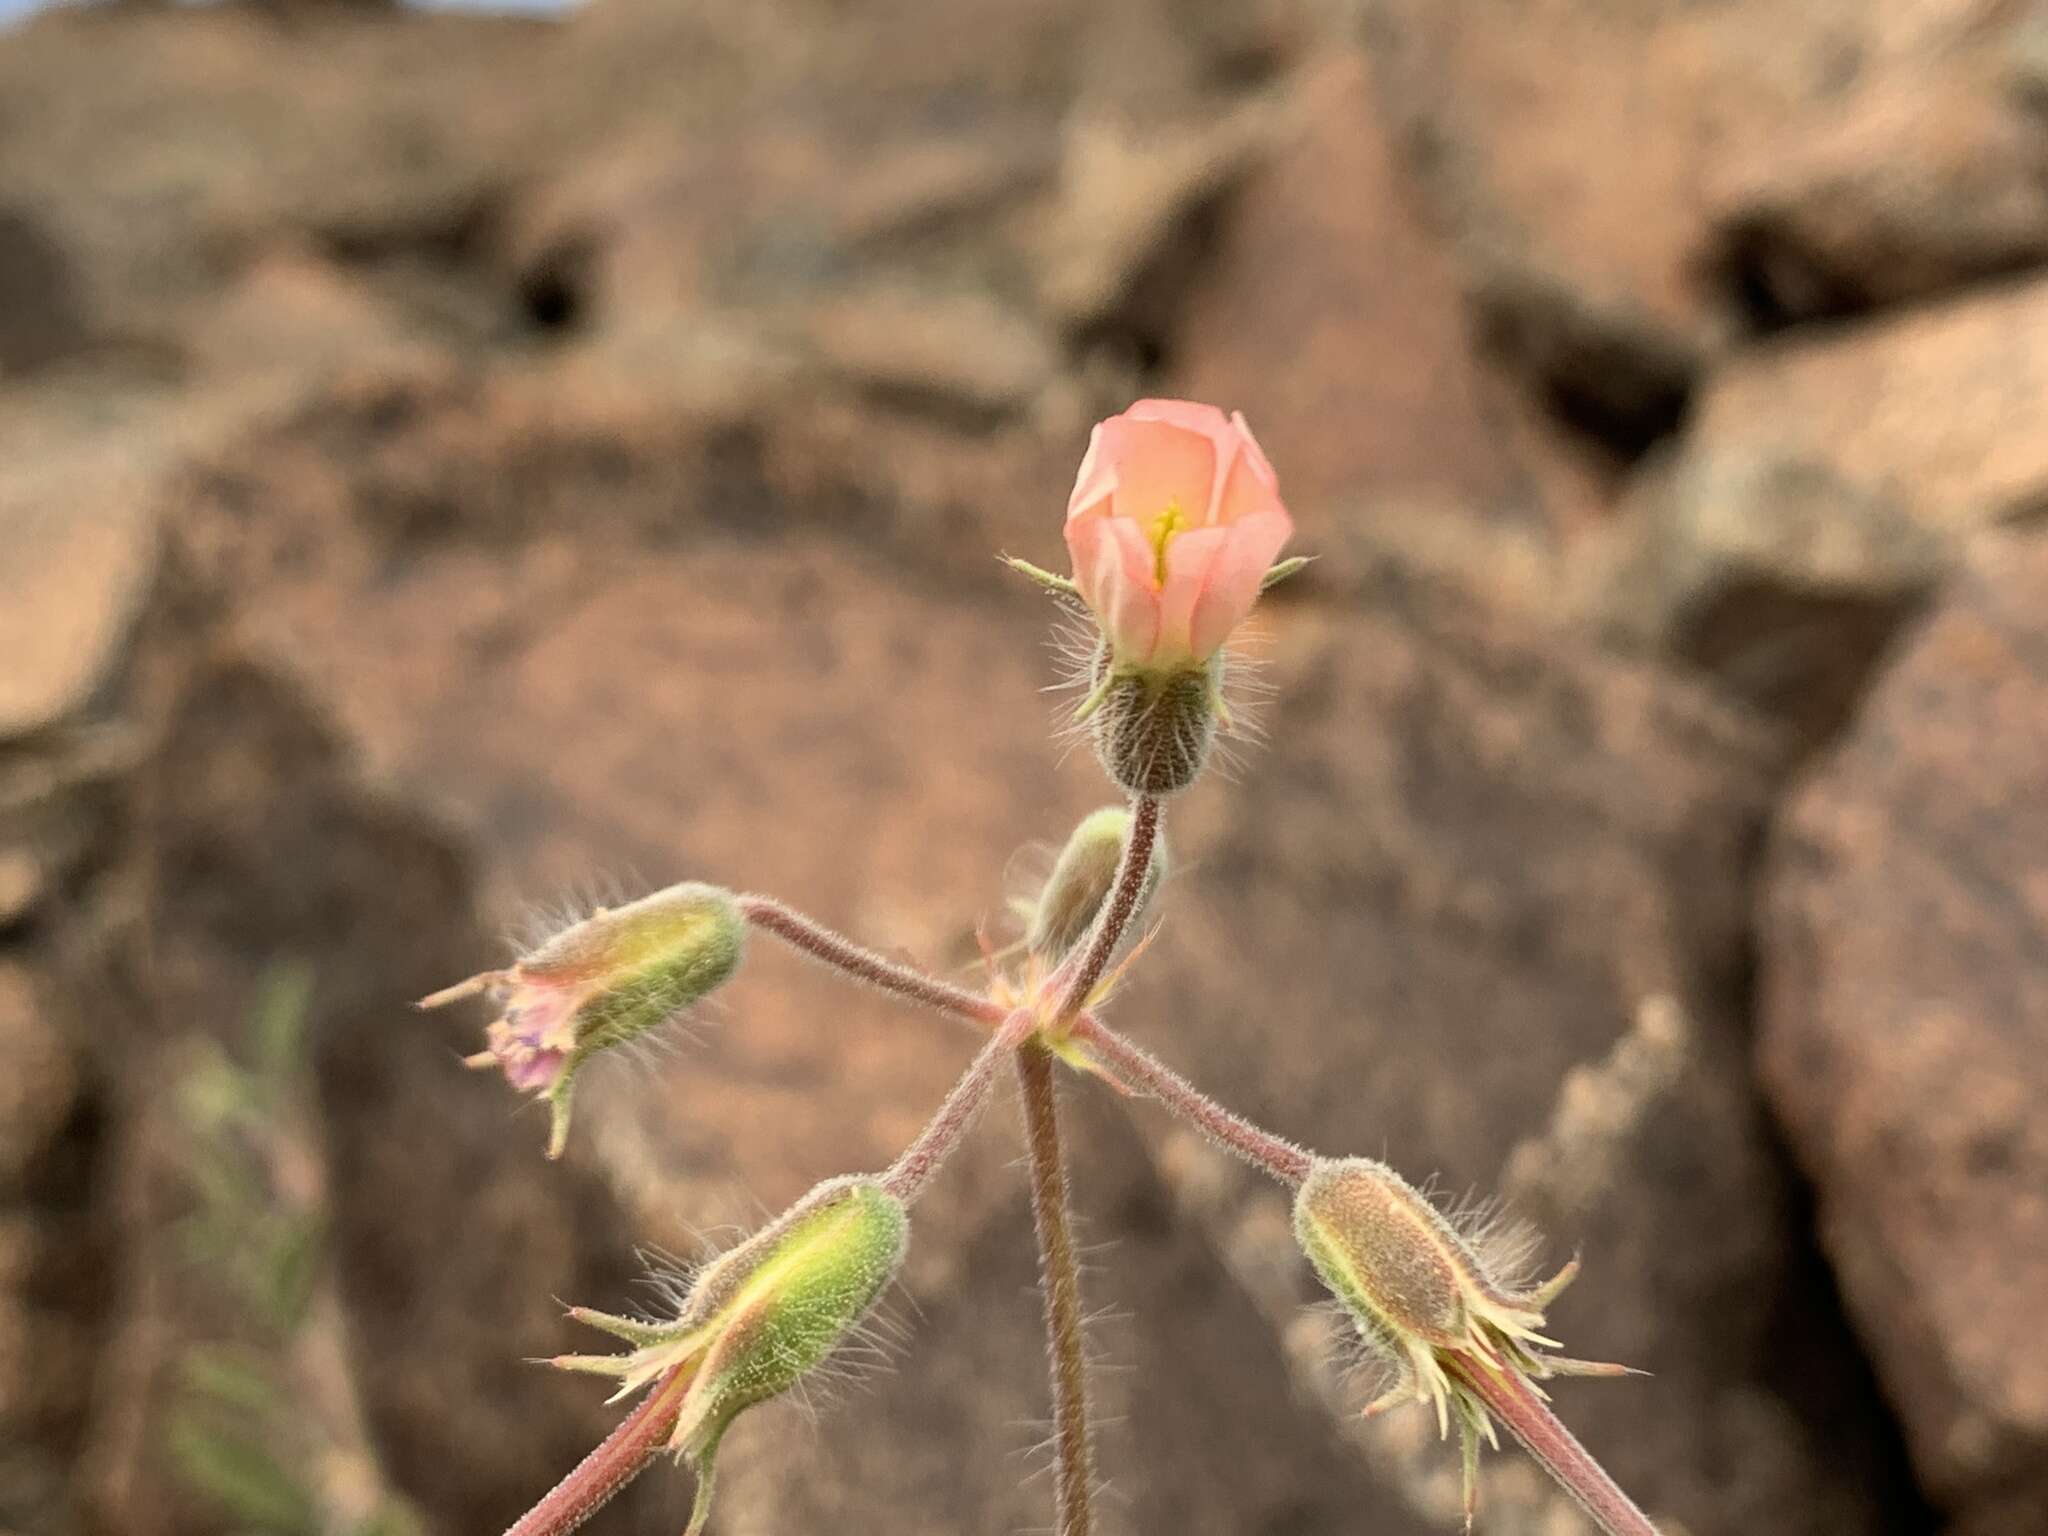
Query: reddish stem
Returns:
{"type": "Point", "coordinates": [1511, 1399]}
{"type": "Point", "coordinates": [920, 1160]}
{"type": "Point", "coordinates": [1060, 1279]}
{"type": "Point", "coordinates": [615, 1463]}
{"type": "Point", "coordinates": [1094, 953]}
{"type": "Point", "coordinates": [842, 954]}
{"type": "Point", "coordinates": [1138, 1069]}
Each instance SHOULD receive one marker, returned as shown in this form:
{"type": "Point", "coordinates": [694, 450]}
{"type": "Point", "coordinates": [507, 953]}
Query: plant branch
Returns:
{"type": "Point", "coordinates": [1510, 1398]}
{"type": "Point", "coordinates": [1137, 1069]}
{"type": "Point", "coordinates": [836, 950]}
{"type": "Point", "coordinates": [1095, 951]}
{"type": "Point", "coordinates": [908, 1175]}
{"type": "Point", "coordinates": [1060, 1279]}
{"type": "Point", "coordinates": [622, 1456]}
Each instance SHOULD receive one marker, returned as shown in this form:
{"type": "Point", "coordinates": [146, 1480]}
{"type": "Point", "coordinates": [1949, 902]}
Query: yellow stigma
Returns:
{"type": "Point", "coordinates": [1164, 527]}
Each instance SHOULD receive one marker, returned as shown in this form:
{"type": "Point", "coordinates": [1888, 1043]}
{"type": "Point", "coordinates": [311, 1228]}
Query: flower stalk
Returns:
{"type": "Point", "coordinates": [623, 1456]}
{"type": "Point", "coordinates": [908, 1175]}
{"type": "Point", "coordinates": [1060, 1281]}
{"type": "Point", "coordinates": [822, 944]}
{"type": "Point", "coordinates": [1137, 1070]}
{"type": "Point", "coordinates": [1519, 1405]}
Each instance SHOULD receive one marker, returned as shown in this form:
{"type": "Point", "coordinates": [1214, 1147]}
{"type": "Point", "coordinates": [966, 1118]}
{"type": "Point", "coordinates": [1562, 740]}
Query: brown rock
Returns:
{"type": "Point", "coordinates": [76, 573]}
{"type": "Point", "coordinates": [1573, 150]}
{"type": "Point", "coordinates": [1904, 1014]}
{"type": "Point", "coordinates": [1922, 183]}
{"type": "Point", "coordinates": [39, 1088]}
{"type": "Point", "coordinates": [1941, 407]}
{"type": "Point", "coordinates": [261, 852]}
{"type": "Point", "coordinates": [1821, 488]}
{"type": "Point", "coordinates": [1332, 316]}
{"type": "Point", "coordinates": [960, 353]}
{"type": "Point", "coordinates": [1780, 578]}
{"type": "Point", "coordinates": [235, 128]}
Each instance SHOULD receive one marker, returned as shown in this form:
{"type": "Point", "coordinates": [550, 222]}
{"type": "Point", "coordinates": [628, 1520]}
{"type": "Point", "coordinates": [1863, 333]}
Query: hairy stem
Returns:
{"type": "Point", "coordinates": [908, 1175]}
{"type": "Point", "coordinates": [1515, 1403]}
{"type": "Point", "coordinates": [615, 1463]}
{"type": "Point", "coordinates": [1060, 1279]}
{"type": "Point", "coordinates": [1115, 916]}
{"type": "Point", "coordinates": [1139, 1070]}
{"type": "Point", "coordinates": [843, 955]}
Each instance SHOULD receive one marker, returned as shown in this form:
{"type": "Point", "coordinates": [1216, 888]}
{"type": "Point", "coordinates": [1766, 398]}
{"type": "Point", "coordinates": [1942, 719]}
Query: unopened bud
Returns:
{"type": "Point", "coordinates": [1424, 1301]}
{"type": "Point", "coordinates": [761, 1317]}
{"type": "Point", "coordinates": [1153, 729]}
{"type": "Point", "coordinates": [1080, 882]}
{"type": "Point", "coordinates": [601, 982]}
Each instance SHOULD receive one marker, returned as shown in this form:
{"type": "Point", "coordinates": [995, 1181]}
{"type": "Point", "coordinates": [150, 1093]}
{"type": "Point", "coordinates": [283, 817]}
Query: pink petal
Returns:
{"type": "Point", "coordinates": [1234, 576]}
{"type": "Point", "coordinates": [1086, 533]}
{"type": "Point", "coordinates": [1129, 610]}
{"type": "Point", "coordinates": [1249, 484]}
{"type": "Point", "coordinates": [1159, 465]}
{"type": "Point", "coordinates": [1190, 566]}
{"type": "Point", "coordinates": [1188, 415]}
{"type": "Point", "coordinates": [1096, 478]}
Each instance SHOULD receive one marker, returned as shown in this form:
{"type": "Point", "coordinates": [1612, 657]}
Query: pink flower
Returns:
{"type": "Point", "coordinates": [601, 982]}
{"type": "Point", "coordinates": [1174, 521]}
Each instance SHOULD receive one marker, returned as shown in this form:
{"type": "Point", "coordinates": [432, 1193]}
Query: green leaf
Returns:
{"type": "Point", "coordinates": [244, 1478]}
{"type": "Point", "coordinates": [277, 1026]}
{"type": "Point", "coordinates": [291, 1269]}
{"type": "Point", "coordinates": [233, 1377]}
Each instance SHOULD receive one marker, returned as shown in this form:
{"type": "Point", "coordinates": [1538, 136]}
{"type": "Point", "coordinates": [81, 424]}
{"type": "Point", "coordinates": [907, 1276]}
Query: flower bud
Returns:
{"type": "Point", "coordinates": [1173, 524]}
{"type": "Point", "coordinates": [1423, 1300]}
{"type": "Point", "coordinates": [760, 1317]}
{"type": "Point", "coordinates": [1080, 882]}
{"type": "Point", "coordinates": [601, 982]}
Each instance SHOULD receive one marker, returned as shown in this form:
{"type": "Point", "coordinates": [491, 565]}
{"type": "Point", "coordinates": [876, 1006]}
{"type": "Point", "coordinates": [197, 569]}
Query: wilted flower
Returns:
{"type": "Point", "coordinates": [1425, 1304]}
{"type": "Point", "coordinates": [601, 982]}
{"type": "Point", "coordinates": [1173, 524]}
{"type": "Point", "coordinates": [760, 1317]}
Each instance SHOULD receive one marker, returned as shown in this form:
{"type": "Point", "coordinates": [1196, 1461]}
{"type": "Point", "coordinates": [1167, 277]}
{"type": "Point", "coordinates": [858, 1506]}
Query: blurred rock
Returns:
{"type": "Point", "coordinates": [1920, 184]}
{"type": "Point", "coordinates": [1521, 846]}
{"type": "Point", "coordinates": [1822, 487]}
{"type": "Point", "coordinates": [260, 849]}
{"type": "Point", "coordinates": [76, 573]}
{"type": "Point", "coordinates": [1941, 407]}
{"type": "Point", "coordinates": [1780, 578]}
{"type": "Point", "coordinates": [342, 126]}
{"type": "Point", "coordinates": [1121, 240]}
{"type": "Point", "coordinates": [1904, 998]}
{"type": "Point", "coordinates": [1567, 147]}
{"type": "Point", "coordinates": [1332, 316]}
{"type": "Point", "coordinates": [40, 1087]}
{"type": "Point", "coordinates": [957, 353]}
{"type": "Point", "coordinates": [43, 320]}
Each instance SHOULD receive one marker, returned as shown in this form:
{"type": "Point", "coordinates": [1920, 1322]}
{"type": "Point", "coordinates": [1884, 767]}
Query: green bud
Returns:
{"type": "Point", "coordinates": [1386, 1253]}
{"type": "Point", "coordinates": [762, 1316]}
{"type": "Point", "coordinates": [1425, 1301]}
{"type": "Point", "coordinates": [601, 982]}
{"type": "Point", "coordinates": [1153, 730]}
{"type": "Point", "coordinates": [1080, 882]}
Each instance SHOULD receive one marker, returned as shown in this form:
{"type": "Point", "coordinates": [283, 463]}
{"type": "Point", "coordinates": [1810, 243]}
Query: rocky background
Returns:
{"type": "Point", "coordinates": [448, 465]}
